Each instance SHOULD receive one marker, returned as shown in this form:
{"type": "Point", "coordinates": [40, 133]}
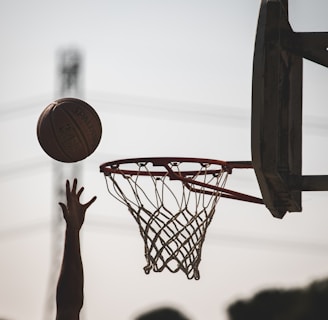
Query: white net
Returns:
{"type": "Point", "coordinates": [172, 214]}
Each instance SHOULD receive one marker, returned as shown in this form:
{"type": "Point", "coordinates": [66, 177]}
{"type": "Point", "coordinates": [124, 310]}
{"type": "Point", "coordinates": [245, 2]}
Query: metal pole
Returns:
{"type": "Point", "coordinates": [69, 85]}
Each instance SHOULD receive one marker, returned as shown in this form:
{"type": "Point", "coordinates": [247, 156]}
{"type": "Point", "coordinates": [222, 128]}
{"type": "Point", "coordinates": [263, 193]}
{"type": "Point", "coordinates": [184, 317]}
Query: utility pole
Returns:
{"type": "Point", "coordinates": [69, 67]}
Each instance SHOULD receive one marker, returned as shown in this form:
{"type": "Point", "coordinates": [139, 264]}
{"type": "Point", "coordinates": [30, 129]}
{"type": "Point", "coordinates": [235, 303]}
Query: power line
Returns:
{"type": "Point", "coordinates": [224, 238]}
{"type": "Point", "coordinates": [22, 167]}
{"type": "Point", "coordinates": [23, 107]}
{"type": "Point", "coordinates": [28, 228]}
{"type": "Point", "coordinates": [28, 166]}
{"type": "Point", "coordinates": [221, 238]}
{"type": "Point", "coordinates": [174, 109]}
{"type": "Point", "coordinates": [137, 105]}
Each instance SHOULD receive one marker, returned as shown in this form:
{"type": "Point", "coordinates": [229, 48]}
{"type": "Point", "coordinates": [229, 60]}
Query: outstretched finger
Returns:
{"type": "Point", "coordinates": [74, 186]}
{"type": "Point", "coordinates": [80, 192]}
{"type": "Point", "coordinates": [89, 203]}
{"type": "Point", "coordinates": [67, 189]}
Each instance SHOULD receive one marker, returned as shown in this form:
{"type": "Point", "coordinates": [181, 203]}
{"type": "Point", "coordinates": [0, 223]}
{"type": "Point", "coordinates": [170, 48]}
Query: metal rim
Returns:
{"type": "Point", "coordinates": [113, 167]}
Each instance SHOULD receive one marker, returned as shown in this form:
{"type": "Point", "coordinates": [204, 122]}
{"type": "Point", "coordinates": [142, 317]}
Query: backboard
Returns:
{"type": "Point", "coordinates": [174, 199]}
{"type": "Point", "coordinates": [276, 132]}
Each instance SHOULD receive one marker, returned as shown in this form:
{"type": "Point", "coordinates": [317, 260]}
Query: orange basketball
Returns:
{"type": "Point", "coordinates": [69, 130]}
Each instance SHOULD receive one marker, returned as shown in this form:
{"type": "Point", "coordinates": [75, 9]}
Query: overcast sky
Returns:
{"type": "Point", "coordinates": [167, 78]}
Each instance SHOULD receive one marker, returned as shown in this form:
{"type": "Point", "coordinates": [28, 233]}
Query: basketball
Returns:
{"type": "Point", "coordinates": [69, 130]}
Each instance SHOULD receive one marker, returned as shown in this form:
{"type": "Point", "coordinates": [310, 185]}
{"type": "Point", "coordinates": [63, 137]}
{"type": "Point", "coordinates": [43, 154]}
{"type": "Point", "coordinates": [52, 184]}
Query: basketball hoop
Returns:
{"type": "Point", "coordinates": [174, 207]}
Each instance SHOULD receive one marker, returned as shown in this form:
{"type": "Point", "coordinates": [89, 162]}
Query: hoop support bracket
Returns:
{"type": "Point", "coordinates": [184, 176]}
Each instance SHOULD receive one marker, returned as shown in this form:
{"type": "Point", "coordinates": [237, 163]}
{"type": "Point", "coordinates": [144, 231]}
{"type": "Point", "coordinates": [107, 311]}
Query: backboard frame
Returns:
{"type": "Point", "coordinates": [276, 132]}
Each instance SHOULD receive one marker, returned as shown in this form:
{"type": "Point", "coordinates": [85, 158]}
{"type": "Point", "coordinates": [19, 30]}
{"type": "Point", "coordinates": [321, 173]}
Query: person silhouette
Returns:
{"type": "Point", "coordinates": [69, 294]}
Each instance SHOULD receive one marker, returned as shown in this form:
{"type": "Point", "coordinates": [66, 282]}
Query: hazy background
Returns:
{"type": "Point", "coordinates": [168, 78]}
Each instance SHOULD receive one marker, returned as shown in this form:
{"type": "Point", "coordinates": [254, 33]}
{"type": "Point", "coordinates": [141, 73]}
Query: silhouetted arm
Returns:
{"type": "Point", "coordinates": [69, 295]}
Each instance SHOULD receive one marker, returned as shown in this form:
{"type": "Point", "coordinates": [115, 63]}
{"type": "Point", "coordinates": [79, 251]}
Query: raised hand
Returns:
{"type": "Point", "coordinates": [74, 210]}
